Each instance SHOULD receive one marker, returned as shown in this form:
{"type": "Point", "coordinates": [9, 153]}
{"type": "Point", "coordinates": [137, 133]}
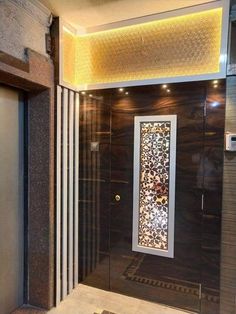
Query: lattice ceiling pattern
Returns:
{"type": "Point", "coordinates": [178, 46]}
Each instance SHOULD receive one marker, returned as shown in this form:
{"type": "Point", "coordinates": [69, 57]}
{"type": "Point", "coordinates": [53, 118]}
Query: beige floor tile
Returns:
{"type": "Point", "coordinates": [89, 300]}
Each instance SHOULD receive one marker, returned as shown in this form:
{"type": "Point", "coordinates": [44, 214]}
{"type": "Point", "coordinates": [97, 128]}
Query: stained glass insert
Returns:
{"type": "Point", "coordinates": [154, 184]}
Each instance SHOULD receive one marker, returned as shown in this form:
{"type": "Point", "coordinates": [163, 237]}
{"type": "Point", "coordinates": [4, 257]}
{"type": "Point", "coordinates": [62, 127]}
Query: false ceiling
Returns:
{"type": "Point", "coordinates": [92, 13]}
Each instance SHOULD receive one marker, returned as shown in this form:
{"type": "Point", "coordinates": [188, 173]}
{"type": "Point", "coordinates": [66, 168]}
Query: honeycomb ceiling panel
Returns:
{"type": "Point", "coordinates": [182, 46]}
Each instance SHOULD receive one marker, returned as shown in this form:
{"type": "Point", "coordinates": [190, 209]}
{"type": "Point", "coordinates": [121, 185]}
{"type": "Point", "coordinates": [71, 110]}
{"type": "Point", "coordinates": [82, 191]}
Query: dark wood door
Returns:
{"type": "Point", "coordinates": [172, 281]}
{"type": "Point", "coordinates": [190, 280]}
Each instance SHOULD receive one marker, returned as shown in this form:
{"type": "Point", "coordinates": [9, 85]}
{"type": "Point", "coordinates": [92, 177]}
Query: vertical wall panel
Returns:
{"type": "Point", "coordinates": [228, 241]}
{"type": "Point", "coordinates": [98, 185]}
{"type": "Point", "coordinates": [93, 186]}
{"type": "Point", "coordinates": [71, 190]}
{"type": "Point", "coordinates": [84, 192]}
{"type": "Point", "coordinates": [58, 200]}
{"type": "Point", "coordinates": [91, 148]}
{"type": "Point", "coordinates": [90, 189]}
{"type": "Point", "coordinates": [67, 208]}
{"type": "Point", "coordinates": [64, 193]}
{"type": "Point", "coordinates": [67, 192]}
{"type": "Point", "coordinates": [76, 192]}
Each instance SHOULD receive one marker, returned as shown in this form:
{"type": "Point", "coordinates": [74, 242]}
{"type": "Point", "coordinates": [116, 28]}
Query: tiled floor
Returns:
{"type": "Point", "coordinates": [88, 300]}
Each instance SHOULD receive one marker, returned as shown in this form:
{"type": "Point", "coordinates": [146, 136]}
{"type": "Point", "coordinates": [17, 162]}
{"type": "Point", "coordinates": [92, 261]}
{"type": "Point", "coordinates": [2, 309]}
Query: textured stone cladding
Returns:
{"type": "Point", "coordinates": [22, 25]}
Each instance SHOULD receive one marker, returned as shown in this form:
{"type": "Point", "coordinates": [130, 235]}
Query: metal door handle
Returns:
{"type": "Point", "coordinates": [117, 197]}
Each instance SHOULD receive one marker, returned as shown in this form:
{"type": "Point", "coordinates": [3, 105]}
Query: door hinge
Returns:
{"type": "Point", "coordinates": [202, 205]}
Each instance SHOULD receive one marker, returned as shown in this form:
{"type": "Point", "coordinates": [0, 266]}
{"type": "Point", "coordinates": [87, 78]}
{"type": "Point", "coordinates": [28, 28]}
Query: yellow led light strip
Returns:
{"type": "Point", "coordinates": [175, 47]}
{"type": "Point", "coordinates": [69, 56]}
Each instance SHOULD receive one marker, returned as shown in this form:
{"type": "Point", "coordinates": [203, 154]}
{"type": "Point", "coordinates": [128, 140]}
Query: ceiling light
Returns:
{"type": "Point", "coordinates": [83, 93]}
{"type": "Point", "coordinates": [164, 86]}
{"type": "Point", "coordinates": [126, 93]}
{"type": "Point", "coordinates": [168, 90]}
{"type": "Point", "coordinates": [121, 90]}
{"type": "Point", "coordinates": [215, 82]}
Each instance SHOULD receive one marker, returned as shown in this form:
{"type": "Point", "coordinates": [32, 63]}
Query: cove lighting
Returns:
{"type": "Point", "coordinates": [176, 47]}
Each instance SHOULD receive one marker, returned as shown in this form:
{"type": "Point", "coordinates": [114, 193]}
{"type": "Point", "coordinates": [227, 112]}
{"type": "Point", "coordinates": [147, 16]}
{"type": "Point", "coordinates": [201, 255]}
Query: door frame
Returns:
{"type": "Point", "coordinates": [36, 77]}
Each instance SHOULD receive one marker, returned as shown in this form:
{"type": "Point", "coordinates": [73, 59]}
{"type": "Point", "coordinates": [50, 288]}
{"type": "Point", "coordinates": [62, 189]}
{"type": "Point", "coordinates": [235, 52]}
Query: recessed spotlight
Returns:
{"type": "Point", "coordinates": [215, 86]}
{"type": "Point", "coordinates": [168, 90]}
{"type": "Point", "coordinates": [121, 90]}
{"type": "Point", "coordinates": [215, 104]}
{"type": "Point", "coordinates": [126, 93]}
{"type": "Point", "coordinates": [83, 93]}
{"type": "Point", "coordinates": [90, 95]}
{"type": "Point", "coordinates": [164, 86]}
{"type": "Point", "coordinates": [215, 82]}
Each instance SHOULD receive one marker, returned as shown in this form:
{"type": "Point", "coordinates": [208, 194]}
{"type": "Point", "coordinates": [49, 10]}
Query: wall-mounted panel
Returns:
{"type": "Point", "coordinates": [154, 184]}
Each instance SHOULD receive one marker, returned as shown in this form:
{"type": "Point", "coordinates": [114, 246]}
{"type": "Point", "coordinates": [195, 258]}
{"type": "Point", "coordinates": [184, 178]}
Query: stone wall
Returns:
{"type": "Point", "coordinates": [23, 23]}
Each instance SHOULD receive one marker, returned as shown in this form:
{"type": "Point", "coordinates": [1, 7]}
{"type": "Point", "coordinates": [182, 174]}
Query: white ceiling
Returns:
{"type": "Point", "coordinates": [91, 13]}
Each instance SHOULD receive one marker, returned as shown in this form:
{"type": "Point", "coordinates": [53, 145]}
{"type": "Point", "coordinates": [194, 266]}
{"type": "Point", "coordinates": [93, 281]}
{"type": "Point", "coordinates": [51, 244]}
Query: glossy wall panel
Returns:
{"type": "Point", "coordinates": [191, 279]}
{"type": "Point", "coordinates": [94, 190]}
{"type": "Point", "coordinates": [211, 218]}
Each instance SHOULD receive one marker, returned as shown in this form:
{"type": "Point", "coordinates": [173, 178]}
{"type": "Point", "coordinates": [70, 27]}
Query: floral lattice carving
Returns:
{"type": "Point", "coordinates": [154, 184]}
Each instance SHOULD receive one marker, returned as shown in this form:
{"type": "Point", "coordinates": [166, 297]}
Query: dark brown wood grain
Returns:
{"type": "Point", "coordinates": [196, 265]}
{"type": "Point", "coordinates": [188, 105]}
{"type": "Point", "coordinates": [228, 242]}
